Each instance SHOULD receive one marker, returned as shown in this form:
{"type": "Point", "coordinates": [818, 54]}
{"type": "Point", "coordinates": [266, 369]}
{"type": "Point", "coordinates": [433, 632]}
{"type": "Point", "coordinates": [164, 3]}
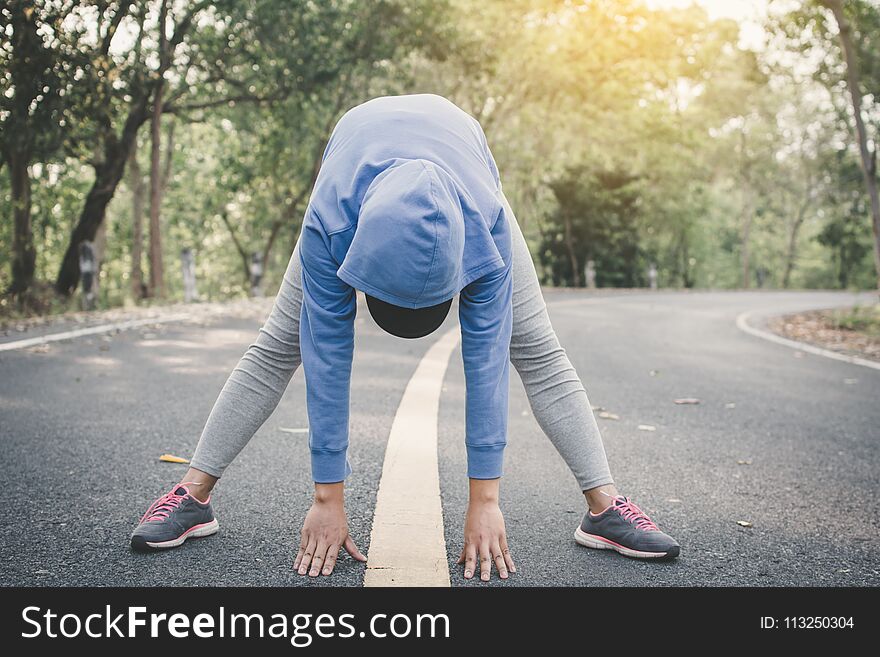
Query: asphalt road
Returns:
{"type": "Point", "coordinates": [786, 443]}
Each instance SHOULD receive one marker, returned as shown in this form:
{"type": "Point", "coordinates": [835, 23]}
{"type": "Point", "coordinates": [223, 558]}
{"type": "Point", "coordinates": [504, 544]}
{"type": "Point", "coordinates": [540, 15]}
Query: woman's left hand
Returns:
{"type": "Point", "coordinates": [485, 537]}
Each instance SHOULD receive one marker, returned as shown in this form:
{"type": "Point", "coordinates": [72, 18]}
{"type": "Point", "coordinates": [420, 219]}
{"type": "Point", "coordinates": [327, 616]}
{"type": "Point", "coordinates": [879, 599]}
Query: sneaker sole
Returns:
{"type": "Point", "coordinates": [600, 543]}
{"type": "Point", "coordinates": [197, 531]}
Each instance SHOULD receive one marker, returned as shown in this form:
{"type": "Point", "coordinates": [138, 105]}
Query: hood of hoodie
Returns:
{"type": "Point", "coordinates": [409, 243]}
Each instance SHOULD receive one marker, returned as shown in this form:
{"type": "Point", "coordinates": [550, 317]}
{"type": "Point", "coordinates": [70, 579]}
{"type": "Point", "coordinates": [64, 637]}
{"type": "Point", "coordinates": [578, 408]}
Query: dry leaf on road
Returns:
{"type": "Point", "coordinates": [170, 458]}
{"type": "Point", "coordinates": [647, 427]}
{"type": "Point", "coordinates": [609, 416]}
{"type": "Point", "coordinates": [687, 400]}
{"type": "Point", "coordinates": [743, 523]}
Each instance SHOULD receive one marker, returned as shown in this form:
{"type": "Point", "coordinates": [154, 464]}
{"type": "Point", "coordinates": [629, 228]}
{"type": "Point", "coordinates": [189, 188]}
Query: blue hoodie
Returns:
{"type": "Point", "coordinates": [406, 208]}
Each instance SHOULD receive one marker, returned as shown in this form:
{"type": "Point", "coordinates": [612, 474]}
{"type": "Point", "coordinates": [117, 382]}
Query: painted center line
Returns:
{"type": "Point", "coordinates": [407, 544]}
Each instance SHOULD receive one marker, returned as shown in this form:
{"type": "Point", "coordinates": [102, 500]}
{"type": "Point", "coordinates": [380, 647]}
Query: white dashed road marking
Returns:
{"type": "Point", "coordinates": [407, 544]}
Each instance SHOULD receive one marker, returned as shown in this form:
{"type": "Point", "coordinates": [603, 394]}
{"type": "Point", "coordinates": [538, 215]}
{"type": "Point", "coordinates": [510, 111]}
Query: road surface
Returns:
{"type": "Point", "coordinates": [786, 441]}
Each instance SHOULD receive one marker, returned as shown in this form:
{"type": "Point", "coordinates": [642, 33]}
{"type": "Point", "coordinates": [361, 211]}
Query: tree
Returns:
{"type": "Point", "coordinates": [119, 102]}
{"type": "Point", "coordinates": [157, 273]}
{"type": "Point", "coordinates": [38, 66]}
{"type": "Point", "coordinates": [596, 219]}
{"type": "Point", "coordinates": [867, 153]}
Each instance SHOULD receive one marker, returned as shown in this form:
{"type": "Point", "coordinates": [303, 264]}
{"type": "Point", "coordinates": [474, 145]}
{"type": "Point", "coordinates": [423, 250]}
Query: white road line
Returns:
{"type": "Point", "coordinates": [91, 330]}
{"type": "Point", "coordinates": [407, 544]}
{"type": "Point", "coordinates": [742, 322]}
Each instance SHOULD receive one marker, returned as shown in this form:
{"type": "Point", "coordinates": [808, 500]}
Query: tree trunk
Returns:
{"type": "Point", "coordinates": [100, 247]}
{"type": "Point", "coordinates": [746, 234]}
{"type": "Point", "coordinates": [157, 273]}
{"type": "Point", "coordinates": [23, 254]}
{"type": "Point", "coordinates": [242, 252]}
{"type": "Point", "coordinates": [169, 155]}
{"type": "Point", "coordinates": [108, 173]}
{"type": "Point", "coordinates": [284, 218]}
{"type": "Point", "coordinates": [23, 121]}
{"type": "Point", "coordinates": [572, 256]}
{"type": "Point", "coordinates": [686, 277]}
{"type": "Point", "coordinates": [136, 182]}
{"type": "Point", "coordinates": [868, 157]}
{"type": "Point", "coordinates": [791, 254]}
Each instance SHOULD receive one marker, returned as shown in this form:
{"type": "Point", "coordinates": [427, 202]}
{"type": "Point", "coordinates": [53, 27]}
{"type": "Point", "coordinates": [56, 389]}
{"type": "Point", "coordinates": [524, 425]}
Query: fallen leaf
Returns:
{"type": "Point", "coordinates": [647, 427]}
{"type": "Point", "coordinates": [743, 523]}
{"type": "Point", "coordinates": [730, 405]}
{"type": "Point", "coordinates": [170, 458]}
{"type": "Point", "coordinates": [609, 416]}
{"type": "Point", "coordinates": [40, 348]}
{"type": "Point", "coordinates": [654, 372]}
{"type": "Point", "coordinates": [597, 408]}
{"type": "Point", "coordinates": [286, 430]}
{"type": "Point", "coordinates": [687, 400]}
{"type": "Point", "coordinates": [743, 462]}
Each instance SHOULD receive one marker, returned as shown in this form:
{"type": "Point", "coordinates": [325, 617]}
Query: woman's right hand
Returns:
{"type": "Point", "coordinates": [324, 531]}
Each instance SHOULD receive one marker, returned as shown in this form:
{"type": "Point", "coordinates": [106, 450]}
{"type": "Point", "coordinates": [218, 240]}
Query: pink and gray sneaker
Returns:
{"type": "Point", "coordinates": [624, 527]}
{"type": "Point", "coordinates": [173, 518]}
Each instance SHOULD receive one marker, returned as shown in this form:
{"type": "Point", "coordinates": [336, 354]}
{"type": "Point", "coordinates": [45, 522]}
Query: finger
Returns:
{"type": "Point", "coordinates": [332, 555]}
{"type": "Point", "coordinates": [352, 549]}
{"type": "Point", "coordinates": [318, 558]}
{"type": "Point", "coordinates": [508, 558]}
{"type": "Point", "coordinates": [485, 562]}
{"type": "Point", "coordinates": [498, 560]}
{"type": "Point", "coordinates": [299, 554]}
{"type": "Point", "coordinates": [470, 560]}
{"type": "Point", "coordinates": [307, 556]}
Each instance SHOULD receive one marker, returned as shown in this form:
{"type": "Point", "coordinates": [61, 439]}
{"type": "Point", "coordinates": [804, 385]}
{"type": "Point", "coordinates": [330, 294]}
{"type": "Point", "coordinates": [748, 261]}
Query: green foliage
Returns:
{"type": "Point", "coordinates": [864, 319]}
{"type": "Point", "coordinates": [596, 219]}
{"type": "Point", "coordinates": [624, 134]}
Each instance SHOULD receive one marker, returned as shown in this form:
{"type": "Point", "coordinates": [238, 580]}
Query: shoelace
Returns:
{"type": "Point", "coordinates": [162, 508]}
{"type": "Point", "coordinates": [634, 514]}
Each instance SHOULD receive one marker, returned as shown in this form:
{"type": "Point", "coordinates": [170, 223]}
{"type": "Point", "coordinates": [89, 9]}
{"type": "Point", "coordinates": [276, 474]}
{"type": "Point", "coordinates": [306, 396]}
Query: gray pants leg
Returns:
{"type": "Point", "coordinates": [257, 383]}
{"type": "Point", "coordinates": [556, 395]}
